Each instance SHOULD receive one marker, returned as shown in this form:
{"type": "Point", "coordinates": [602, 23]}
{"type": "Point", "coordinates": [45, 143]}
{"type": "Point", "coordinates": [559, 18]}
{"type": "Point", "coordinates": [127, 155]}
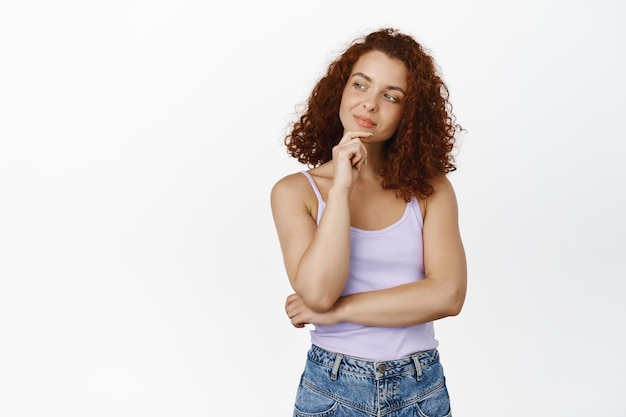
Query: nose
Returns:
{"type": "Point", "coordinates": [369, 106]}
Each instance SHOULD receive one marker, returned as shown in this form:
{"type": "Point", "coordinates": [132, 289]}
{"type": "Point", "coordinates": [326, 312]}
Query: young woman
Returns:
{"type": "Point", "coordinates": [369, 235]}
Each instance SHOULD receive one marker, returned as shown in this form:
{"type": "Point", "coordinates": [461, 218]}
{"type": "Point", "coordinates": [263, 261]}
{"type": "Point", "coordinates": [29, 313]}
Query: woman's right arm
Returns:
{"type": "Point", "coordinates": [317, 258]}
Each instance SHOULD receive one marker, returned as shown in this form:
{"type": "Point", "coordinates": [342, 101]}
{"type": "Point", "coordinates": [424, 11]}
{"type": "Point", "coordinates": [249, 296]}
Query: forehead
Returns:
{"type": "Point", "coordinates": [381, 68]}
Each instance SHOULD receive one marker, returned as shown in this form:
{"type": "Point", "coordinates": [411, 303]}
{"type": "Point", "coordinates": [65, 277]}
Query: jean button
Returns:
{"type": "Point", "coordinates": [381, 368]}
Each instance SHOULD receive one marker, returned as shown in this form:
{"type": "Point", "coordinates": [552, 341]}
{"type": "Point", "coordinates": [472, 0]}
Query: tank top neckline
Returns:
{"type": "Point", "coordinates": [322, 204]}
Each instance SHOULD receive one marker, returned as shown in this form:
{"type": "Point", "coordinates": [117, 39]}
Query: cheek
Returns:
{"type": "Point", "coordinates": [394, 120]}
{"type": "Point", "coordinates": [344, 110]}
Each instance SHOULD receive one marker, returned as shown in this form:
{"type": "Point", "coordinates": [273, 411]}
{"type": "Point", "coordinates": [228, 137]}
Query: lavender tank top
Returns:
{"type": "Point", "coordinates": [379, 259]}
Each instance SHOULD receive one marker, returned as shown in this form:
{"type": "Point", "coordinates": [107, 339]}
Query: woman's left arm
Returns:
{"type": "Point", "coordinates": [440, 294]}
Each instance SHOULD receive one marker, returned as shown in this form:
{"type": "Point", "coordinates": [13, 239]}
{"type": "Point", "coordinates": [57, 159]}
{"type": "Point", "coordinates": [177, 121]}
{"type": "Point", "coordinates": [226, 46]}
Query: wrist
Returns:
{"type": "Point", "coordinates": [340, 311]}
{"type": "Point", "coordinates": [339, 193]}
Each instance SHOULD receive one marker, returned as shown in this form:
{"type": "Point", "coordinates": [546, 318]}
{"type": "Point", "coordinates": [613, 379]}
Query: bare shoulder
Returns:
{"type": "Point", "coordinates": [443, 195]}
{"type": "Point", "coordinates": [294, 209]}
{"type": "Point", "coordinates": [293, 194]}
{"type": "Point", "coordinates": [442, 184]}
{"type": "Point", "coordinates": [289, 186]}
{"type": "Point", "coordinates": [297, 184]}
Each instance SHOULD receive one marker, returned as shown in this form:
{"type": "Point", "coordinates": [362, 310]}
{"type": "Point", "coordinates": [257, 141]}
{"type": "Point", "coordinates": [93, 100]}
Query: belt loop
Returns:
{"type": "Point", "coordinates": [418, 367]}
{"type": "Point", "coordinates": [333, 374]}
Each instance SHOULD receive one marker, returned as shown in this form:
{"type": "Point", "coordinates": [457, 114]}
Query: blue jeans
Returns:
{"type": "Point", "coordinates": [333, 385]}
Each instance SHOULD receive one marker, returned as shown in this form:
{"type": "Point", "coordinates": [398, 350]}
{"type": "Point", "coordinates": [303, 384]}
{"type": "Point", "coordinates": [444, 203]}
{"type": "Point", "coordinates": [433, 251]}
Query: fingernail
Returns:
{"type": "Point", "coordinates": [365, 162]}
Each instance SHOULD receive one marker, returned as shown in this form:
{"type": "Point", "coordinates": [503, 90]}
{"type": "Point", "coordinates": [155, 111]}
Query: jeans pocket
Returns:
{"type": "Point", "coordinates": [437, 404]}
{"type": "Point", "coordinates": [311, 403]}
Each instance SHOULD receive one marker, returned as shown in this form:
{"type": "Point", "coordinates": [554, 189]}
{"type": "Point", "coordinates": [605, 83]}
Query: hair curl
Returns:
{"type": "Point", "coordinates": [420, 149]}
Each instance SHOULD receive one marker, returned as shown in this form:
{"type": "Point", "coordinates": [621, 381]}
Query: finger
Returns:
{"type": "Point", "coordinates": [362, 134]}
{"type": "Point", "coordinates": [353, 135]}
{"type": "Point", "coordinates": [359, 153]}
{"type": "Point", "coordinates": [359, 157]}
{"type": "Point", "coordinates": [298, 322]}
{"type": "Point", "coordinates": [353, 151]}
{"type": "Point", "coordinates": [293, 309]}
{"type": "Point", "coordinates": [290, 299]}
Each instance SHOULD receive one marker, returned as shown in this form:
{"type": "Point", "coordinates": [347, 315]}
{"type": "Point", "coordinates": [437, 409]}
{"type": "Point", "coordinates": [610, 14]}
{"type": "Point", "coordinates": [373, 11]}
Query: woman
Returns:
{"type": "Point", "coordinates": [369, 235]}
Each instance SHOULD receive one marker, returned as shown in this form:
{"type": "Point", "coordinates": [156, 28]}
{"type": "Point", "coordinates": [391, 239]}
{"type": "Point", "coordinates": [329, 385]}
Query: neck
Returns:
{"type": "Point", "coordinates": [374, 158]}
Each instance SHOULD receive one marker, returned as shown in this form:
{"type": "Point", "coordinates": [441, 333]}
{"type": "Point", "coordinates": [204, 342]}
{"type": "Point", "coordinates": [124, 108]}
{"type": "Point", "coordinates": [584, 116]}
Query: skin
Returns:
{"type": "Point", "coordinates": [317, 258]}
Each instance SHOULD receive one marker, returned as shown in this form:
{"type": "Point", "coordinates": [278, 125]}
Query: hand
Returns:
{"type": "Point", "coordinates": [300, 314]}
{"type": "Point", "coordinates": [349, 155]}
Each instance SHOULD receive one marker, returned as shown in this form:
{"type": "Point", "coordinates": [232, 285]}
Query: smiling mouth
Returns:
{"type": "Point", "coordinates": [364, 122]}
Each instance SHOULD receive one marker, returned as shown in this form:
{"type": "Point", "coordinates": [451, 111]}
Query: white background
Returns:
{"type": "Point", "coordinates": [139, 140]}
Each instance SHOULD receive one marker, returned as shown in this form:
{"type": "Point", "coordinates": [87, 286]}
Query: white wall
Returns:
{"type": "Point", "coordinates": [140, 271]}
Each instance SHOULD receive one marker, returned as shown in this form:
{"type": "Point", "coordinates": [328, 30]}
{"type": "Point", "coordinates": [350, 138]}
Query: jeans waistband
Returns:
{"type": "Point", "coordinates": [378, 369]}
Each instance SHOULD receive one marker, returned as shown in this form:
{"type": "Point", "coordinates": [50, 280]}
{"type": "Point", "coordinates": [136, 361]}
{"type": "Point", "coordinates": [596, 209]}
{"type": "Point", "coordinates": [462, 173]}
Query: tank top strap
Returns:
{"type": "Point", "coordinates": [417, 210]}
{"type": "Point", "coordinates": [320, 201]}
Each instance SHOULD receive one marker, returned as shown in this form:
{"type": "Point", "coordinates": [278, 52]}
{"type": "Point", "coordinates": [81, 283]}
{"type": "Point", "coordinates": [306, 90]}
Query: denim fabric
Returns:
{"type": "Point", "coordinates": [333, 385]}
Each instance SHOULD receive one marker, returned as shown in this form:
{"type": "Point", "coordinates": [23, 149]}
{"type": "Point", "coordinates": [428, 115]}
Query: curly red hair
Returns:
{"type": "Point", "coordinates": [421, 147]}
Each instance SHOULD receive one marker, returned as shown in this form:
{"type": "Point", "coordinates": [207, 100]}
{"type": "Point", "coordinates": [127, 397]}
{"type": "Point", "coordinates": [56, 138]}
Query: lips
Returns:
{"type": "Point", "coordinates": [364, 122]}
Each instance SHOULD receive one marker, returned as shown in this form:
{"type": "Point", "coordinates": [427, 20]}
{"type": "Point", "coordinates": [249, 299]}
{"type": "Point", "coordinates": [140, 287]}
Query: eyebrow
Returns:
{"type": "Point", "coordinates": [391, 87]}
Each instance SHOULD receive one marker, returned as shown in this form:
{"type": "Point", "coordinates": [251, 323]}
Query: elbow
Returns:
{"type": "Point", "coordinates": [317, 300]}
{"type": "Point", "coordinates": [454, 302]}
{"type": "Point", "coordinates": [454, 309]}
{"type": "Point", "coordinates": [321, 303]}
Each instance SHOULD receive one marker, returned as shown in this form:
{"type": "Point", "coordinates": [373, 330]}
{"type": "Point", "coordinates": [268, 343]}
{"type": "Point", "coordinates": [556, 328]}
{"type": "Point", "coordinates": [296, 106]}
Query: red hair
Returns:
{"type": "Point", "coordinates": [420, 149]}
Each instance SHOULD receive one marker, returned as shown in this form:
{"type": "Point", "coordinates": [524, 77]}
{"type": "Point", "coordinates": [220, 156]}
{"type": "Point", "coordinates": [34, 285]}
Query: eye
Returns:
{"type": "Point", "coordinates": [391, 98]}
{"type": "Point", "coordinates": [359, 86]}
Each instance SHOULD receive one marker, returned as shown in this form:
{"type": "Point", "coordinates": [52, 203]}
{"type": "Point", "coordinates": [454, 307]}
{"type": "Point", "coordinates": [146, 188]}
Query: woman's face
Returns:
{"type": "Point", "coordinates": [373, 98]}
